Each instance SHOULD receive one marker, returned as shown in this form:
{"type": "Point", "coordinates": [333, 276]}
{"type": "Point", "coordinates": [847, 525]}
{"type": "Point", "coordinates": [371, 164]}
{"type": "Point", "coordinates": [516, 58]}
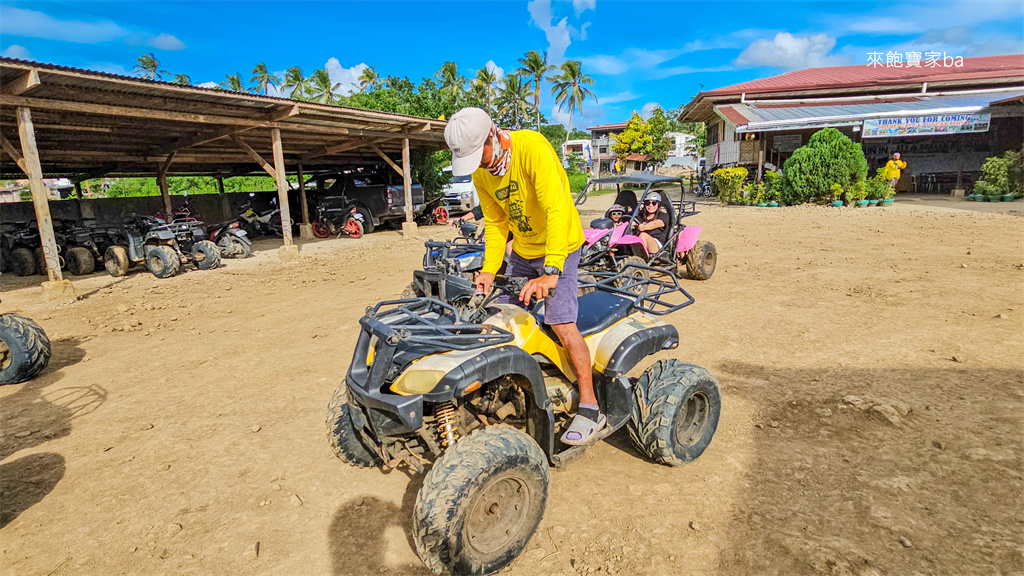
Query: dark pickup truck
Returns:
{"type": "Point", "coordinates": [377, 199]}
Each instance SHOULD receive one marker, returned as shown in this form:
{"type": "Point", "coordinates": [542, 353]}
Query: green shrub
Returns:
{"type": "Point", "coordinates": [772, 186]}
{"type": "Point", "coordinates": [837, 191]}
{"type": "Point", "coordinates": [727, 183]}
{"type": "Point", "coordinates": [828, 158]}
{"type": "Point", "coordinates": [878, 187]}
{"type": "Point", "coordinates": [1002, 175]}
{"type": "Point", "coordinates": [858, 191]}
{"type": "Point", "coordinates": [576, 183]}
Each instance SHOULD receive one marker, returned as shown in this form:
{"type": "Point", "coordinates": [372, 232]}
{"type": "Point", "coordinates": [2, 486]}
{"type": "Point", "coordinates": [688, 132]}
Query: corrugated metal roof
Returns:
{"type": "Point", "coordinates": [863, 75]}
{"type": "Point", "coordinates": [767, 118]}
{"type": "Point", "coordinates": [607, 127]}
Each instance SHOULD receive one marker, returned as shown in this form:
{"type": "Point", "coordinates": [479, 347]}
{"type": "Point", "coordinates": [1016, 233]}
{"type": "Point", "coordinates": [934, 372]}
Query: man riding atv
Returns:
{"type": "Point", "coordinates": [524, 190]}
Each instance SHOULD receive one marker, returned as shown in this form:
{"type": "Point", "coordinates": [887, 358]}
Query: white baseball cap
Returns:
{"type": "Point", "coordinates": [466, 134]}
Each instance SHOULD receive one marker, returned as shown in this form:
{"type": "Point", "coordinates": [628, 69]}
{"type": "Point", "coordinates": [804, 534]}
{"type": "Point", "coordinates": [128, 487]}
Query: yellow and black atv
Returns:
{"type": "Point", "coordinates": [481, 396]}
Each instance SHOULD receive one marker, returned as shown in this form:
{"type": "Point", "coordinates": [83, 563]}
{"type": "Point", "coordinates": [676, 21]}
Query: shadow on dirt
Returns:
{"type": "Point", "coordinates": [358, 537]}
{"type": "Point", "coordinates": [876, 471]}
{"type": "Point", "coordinates": [25, 481]}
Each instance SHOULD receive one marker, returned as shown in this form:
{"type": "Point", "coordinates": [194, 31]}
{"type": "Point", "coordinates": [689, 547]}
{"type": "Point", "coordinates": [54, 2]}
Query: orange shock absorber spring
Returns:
{"type": "Point", "coordinates": [445, 413]}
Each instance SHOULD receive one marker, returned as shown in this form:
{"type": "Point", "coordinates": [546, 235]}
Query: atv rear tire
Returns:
{"type": "Point", "coordinates": [24, 349]}
{"type": "Point", "coordinates": [585, 289]}
{"type": "Point", "coordinates": [115, 260]}
{"type": "Point", "coordinates": [701, 260]}
{"type": "Point", "coordinates": [40, 257]}
{"type": "Point", "coordinates": [343, 435]}
{"type": "Point", "coordinates": [675, 413]}
{"type": "Point", "coordinates": [481, 502]}
{"type": "Point", "coordinates": [81, 261]}
{"type": "Point", "coordinates": [23, 262]}
{"type": "Point", "coordinates": [163, 261]}
{"type": "Point", "coordinates": [206, 255]}
{"type": "Point", "coordinates": [235, 246]}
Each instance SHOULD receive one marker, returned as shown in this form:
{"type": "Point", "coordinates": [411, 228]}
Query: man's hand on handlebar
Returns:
{"type": "Point", "coordinates": [483, 282]}
{"type": "Point", "coordinates": [538, 287]}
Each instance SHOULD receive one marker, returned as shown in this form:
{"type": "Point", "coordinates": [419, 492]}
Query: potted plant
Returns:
{"type": "Point", "coordinates": [837, 195]}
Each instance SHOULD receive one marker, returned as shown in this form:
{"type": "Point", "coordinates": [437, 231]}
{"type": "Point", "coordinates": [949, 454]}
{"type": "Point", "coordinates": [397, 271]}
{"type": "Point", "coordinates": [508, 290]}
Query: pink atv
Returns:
{"type": "Point", "coordinates": [611, 247]}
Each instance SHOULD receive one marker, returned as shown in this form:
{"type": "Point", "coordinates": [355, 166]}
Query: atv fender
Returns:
{"type": "Point", "coordinates": [687, 238]}
{"type": "Point", "coordinates": [639, 345]}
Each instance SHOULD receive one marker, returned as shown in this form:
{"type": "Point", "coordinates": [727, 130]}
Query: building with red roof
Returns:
{"type": "Point", "coordinates": [945, 116]}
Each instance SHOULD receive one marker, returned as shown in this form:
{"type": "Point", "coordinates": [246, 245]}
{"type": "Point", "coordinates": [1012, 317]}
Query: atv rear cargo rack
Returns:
{"type": "Point", "coordinates": [408, 320]}
{"type": "Point", "coordinates": [638, 288]}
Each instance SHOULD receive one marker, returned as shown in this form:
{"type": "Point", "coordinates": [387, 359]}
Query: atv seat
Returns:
{"type": "Point", "coordinates": [598, 311]}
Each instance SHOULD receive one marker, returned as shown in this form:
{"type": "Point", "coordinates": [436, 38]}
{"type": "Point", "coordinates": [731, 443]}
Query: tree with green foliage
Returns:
{"type": "Point", "coordinates": [513, 103]}
{"type": "Point", "coordinates": [659, 122]}
{"type": "Point", "coordinates": [233, 82]}
{"type": "Point", "coordinates": [322, 89]}
{"type": "Point", "coordinates": [182, 79]}
{"type": "Point", "coordinates": [534, 67]}
{"type": "Point", "coordinates": [484, 82]}
{"type": "Point", "coordinates": [555, 133]}
{"type": "Point", "coordinates": [570, 88]}
{"type": "Point", "coordinates": [263, 79]}
{"type": "Point", "coordinates": [368, 79]}
{"type": "Point", "coordinates": [149, 67]}
{"type": "Point", "coordinates": [451, 82]}
{"type": "Point", "coordinates": [828, 158]}
{"type": "Point", "coordinates": [643, 137]}
{"type": "Point", "coordinates": [296, 82]}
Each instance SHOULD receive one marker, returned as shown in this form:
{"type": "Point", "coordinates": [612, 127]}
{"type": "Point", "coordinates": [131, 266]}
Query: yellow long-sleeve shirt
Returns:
{"type": "Point", "coordinates": [892, 169]}
{"type": "Point", "coordinates": [532, 200]}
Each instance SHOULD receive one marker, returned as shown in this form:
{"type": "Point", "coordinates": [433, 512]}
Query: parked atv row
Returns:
{"type": "Point", "coordinates": [162, 247]}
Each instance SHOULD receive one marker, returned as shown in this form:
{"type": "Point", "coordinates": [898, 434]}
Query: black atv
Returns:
{"type": "Point", "coordinates": [449, 268]}
{"type": "Point", "coordinates": [163, 247]}
{"type": "Point", "coordinates": [18, 244]}
{"type": "Point", "coordinates": [482, 395]}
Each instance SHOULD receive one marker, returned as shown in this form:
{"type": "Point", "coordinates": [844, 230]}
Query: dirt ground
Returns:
{"type": "Point", "coordinates": [871, 363]}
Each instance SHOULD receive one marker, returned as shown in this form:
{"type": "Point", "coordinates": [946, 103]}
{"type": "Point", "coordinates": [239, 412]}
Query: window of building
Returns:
{"type": "Point", "coordinates": [713, 134]}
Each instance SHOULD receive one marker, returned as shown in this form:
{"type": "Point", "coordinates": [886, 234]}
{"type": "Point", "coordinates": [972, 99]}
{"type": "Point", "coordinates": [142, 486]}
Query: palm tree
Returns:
{"type": "Point", "coordinates": [233, 82]}
{"type": "Point", "coordinates": [149, 67]}
{"type": "Point", "coordinates": [536, 66]}
{"type": "Point", "coordinates": [368, 79]}
{"type": "Point", "coordinates": [451, 82]}
{"type": "Point", "coordinates": [263, 79]}
{"type": "Point", "coordinates": [485, 81]}
{"type": "Point", "coordinates": [182, 79]}
{"type": "Point", "coordinates": [570, 88]}
{"type": "Point", "coordinates": [294, 79]}
{"type": "Point", "coordinates": [513, 99]}
{"type": "Point", "coordinates": [321, 89]}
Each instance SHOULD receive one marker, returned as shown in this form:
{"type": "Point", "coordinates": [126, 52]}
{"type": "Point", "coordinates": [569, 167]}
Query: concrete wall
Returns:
{"type": "Point", "coordinates": [112, 211]}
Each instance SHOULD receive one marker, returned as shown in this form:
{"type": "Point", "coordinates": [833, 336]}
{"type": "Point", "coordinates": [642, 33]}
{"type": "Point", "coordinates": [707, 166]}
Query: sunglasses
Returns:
{"type": "Point", "coordinates": [651, 202]}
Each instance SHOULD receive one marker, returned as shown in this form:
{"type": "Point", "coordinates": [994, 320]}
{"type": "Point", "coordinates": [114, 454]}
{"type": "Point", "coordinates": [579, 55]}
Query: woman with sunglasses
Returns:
{"type": "Point", "coordinates": [652, 223]}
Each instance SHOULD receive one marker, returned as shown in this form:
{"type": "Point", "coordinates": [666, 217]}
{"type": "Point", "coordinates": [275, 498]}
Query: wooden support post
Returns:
{"type": "Point", "coordinates": [78, 190]}
{"type": "Point", "coordinates": [287, 252]}
{"type": "Point", "coordinates": [165, 192]}
{"type": "Point", "coordinates": [40, 200]}
{"type": "Point", "coordinates": [408, 227]}
{"type": "Point", "coordinates": [305, 229]}
{"type": "Point", "coordinates": [760, 163]}
{"type": "Point", "coordinates": [225, 206]}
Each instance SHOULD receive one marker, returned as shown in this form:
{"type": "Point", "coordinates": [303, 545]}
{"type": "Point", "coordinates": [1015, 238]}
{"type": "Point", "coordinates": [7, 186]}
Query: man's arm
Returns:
{"type": "Point", "coordinates": [547, 181]}
{"type": "Point", "coordinates": [495, 231]}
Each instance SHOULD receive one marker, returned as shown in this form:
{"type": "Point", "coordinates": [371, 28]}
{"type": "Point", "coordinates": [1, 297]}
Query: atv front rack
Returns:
{"type": "Point", "coordinates": [649, 294]}
{"type": "Point", "coordinates": [419, 321]}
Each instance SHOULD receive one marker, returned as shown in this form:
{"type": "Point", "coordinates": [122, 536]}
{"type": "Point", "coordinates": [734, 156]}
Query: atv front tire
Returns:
{"type": "Point", "coordinates": [115, 260]}
{"type": "Point", "coordinates": [343, 434]}
{"type": "Point", "coordinates": [23, 263]}
{"type": "Point", "coordinates": [701, 260]}
{"type": "Point", "coordinates": [634, 274]}
{"type": "Point", "coordinates": [24, 349]}
{"type": "Point", "coordinates": [481, 502]}
{"type": "Point", "coordinates": [206, 255]}
{"type": "Point", "coordinates": [234, 247]}
{"type": "Point", "coordinates": [675, 413]}
{"type": "Point", "coordinates": [81, 261]}
{"type": "Point", "coordinates": [163, 261]}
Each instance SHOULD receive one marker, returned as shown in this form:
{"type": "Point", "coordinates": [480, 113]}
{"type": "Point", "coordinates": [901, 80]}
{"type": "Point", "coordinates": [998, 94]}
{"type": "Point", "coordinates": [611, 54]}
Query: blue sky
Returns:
{"type": "Point", "coordinates": [639, 53]}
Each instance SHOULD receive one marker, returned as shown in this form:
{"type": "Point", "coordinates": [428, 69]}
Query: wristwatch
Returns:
{"type": "Point", "coordinates": [552, 270]}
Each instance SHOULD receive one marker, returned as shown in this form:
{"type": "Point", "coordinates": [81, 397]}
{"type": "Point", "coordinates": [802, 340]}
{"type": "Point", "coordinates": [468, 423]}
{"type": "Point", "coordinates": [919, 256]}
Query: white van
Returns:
{"type": "Point", "coordinates": [460, 194]}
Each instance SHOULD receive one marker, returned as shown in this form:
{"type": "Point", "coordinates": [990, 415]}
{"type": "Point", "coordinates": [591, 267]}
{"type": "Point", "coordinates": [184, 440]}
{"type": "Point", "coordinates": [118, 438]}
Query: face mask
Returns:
{"type": "Point", "coordinates": [501, 150]}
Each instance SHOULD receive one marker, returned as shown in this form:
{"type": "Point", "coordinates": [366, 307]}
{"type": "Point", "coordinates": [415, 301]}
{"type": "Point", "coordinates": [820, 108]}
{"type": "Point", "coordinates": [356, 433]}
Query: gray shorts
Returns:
{"type": "Point", "coordinates": [563, 307]}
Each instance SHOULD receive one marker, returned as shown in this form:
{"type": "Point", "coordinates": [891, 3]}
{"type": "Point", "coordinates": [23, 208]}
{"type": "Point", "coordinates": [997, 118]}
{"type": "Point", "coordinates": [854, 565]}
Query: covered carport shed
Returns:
{"type": "Point", "coordinates": [57, 121]}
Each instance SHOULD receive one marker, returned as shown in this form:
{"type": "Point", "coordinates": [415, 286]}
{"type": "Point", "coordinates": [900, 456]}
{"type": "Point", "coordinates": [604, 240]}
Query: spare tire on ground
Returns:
{"type": "Point", "coordinates": [24, 349]}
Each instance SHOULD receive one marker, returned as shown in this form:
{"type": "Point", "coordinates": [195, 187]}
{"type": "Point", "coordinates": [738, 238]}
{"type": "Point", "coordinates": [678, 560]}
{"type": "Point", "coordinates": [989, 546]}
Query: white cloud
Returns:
{"type": "Point", "coordinates": [208, 85]}
{"type": "Point", "coordinates": [347, 77]}
{"type": "Point", "coordinates": [789, 52]}
{"type": "Point", "coordinates": [498, 71]}
{"type": "Point", "coordinates": [108, 67]}
{"type": "Point", "coordinates": [645, 62]}
{"type": "Point", "coordinates": [16, 51]}
{"type": "Point", "coordinates": [648, 109]}
{"type": "Point", "coordinates": [604, 64]}
{"type": "Point", "coordinates": [582, 5]}
{"type": "Point", "coordinates": [920, 17]}
{"type": "Point", "coordinates": [165, 42]}
{"type": "Point", "coordinates": [591, 115]}
{"type": "Point", "coordinates": [619, 97]}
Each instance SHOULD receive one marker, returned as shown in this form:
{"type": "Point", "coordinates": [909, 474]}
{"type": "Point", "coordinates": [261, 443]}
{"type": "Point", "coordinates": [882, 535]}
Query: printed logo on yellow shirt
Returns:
{"type": "Point", "coordinates": [514, 206]}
